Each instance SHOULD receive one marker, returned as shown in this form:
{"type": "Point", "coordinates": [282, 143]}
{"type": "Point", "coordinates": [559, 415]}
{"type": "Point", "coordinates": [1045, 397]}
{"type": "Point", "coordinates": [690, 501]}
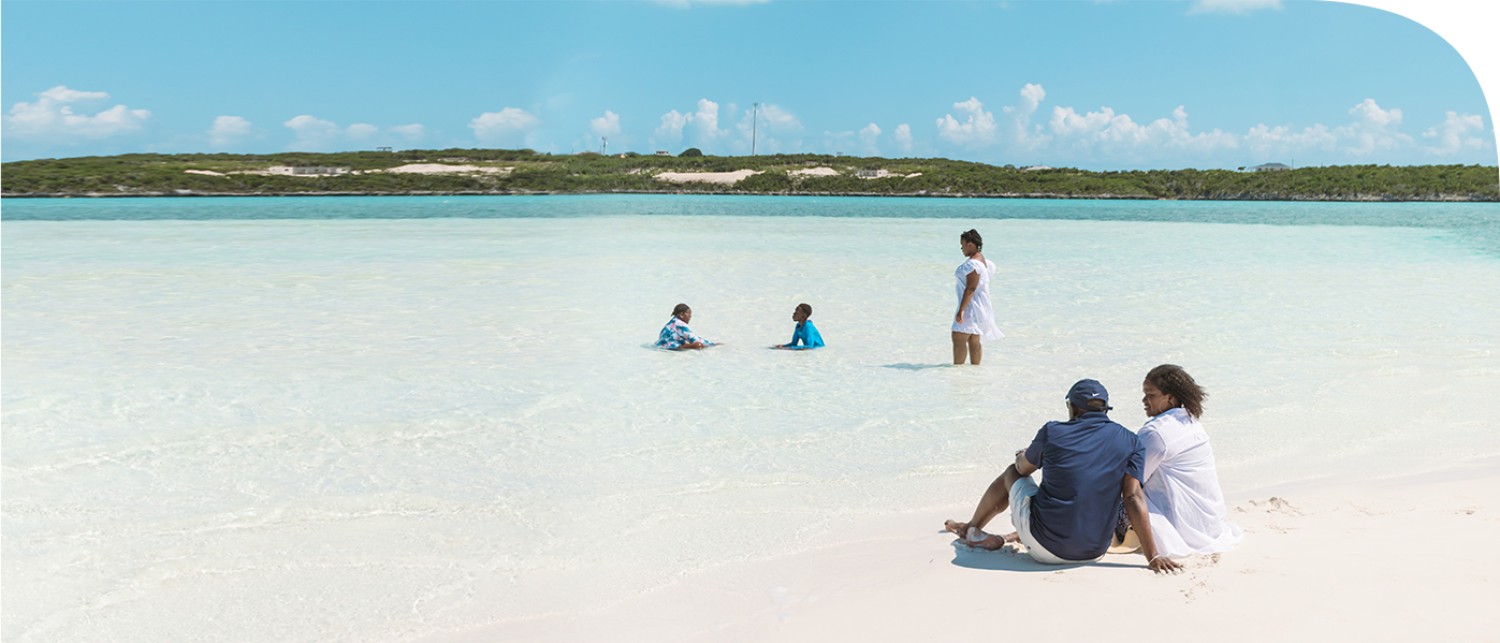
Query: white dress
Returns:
{"type": "Point", "coordinates": [979, 317]}
{"type": "Point", "coordinates": [1182, 488]}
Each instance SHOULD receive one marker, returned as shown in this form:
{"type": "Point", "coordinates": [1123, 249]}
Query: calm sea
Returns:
{"type": "Point", "coordinates": [387, 418]}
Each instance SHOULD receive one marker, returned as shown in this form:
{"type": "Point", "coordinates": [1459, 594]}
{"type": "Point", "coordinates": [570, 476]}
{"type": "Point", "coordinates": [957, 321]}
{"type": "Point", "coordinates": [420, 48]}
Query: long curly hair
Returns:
{"type": "Point", "coordinates": [1172, 380]}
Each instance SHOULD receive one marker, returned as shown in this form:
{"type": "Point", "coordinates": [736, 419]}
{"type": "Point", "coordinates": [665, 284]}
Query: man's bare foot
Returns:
{"type": "Point", "coordinates": [989, 542]}
{"type": "Point", "coordinates": [956, 528]}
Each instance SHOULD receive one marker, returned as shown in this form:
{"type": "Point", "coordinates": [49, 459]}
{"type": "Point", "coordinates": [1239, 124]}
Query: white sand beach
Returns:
{"type": "Point", "coordinates": [1402, 558]}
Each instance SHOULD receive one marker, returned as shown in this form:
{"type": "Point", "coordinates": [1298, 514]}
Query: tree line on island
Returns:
{"type": "Point", "coordinates": [501, 171]}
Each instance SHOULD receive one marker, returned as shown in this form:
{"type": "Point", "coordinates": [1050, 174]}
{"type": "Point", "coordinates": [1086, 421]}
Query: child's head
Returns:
{"type": "Point", "coordinates": [802, 312]}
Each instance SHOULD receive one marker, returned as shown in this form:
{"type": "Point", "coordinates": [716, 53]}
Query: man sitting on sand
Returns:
{"type": "Point", "coordinates": [1091, 464]}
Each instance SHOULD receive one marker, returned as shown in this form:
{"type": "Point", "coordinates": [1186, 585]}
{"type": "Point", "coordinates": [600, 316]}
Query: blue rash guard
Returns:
{"type": "Point", "coordinates": [807, 334]}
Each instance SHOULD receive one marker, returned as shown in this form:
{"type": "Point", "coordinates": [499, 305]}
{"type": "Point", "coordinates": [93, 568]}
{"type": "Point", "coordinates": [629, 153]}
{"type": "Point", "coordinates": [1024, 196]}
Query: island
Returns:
{"type": "Point", "coordinates": [501, 171]}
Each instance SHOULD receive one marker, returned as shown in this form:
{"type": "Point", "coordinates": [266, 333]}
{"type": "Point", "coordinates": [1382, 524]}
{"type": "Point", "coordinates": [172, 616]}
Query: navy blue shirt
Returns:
{"type": "Point", "coordinates": [1083, 462]}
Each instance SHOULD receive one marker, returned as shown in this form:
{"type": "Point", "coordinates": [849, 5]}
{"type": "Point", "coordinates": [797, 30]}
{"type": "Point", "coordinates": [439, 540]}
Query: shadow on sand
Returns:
{"type": "Point", "coordinates": [914, 367]}
{"type": "Point", "coordinates": [1009, 560]}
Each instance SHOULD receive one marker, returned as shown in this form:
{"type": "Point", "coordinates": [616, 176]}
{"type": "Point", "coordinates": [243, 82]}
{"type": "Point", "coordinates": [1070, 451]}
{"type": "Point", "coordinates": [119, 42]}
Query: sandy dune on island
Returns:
{"type": "Point", "coordinates": [721, 178]}
{"type": "Point", "coordinates": [815, 171]}
{"type": "Point", "coordinates": [443, 168]}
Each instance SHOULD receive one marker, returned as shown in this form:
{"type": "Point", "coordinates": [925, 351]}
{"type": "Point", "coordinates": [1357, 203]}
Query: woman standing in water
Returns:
{"type": "Point", "coordinates": [975, 319]}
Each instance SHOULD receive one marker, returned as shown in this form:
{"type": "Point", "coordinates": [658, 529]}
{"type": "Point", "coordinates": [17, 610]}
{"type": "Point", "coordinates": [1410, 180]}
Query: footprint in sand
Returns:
{"type": "Point", "coordinates": [1272, 505]}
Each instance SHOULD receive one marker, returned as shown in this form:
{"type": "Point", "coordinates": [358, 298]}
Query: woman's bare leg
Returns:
{"type": "Point", "coordinates": [960, 347]}
{"type": "Point", "coordinates": [975, 350]}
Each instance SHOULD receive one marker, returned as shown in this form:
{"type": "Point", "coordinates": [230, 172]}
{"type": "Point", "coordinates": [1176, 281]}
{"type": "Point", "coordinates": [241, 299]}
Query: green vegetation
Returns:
{"type": "Point", "coordinates": [526, 171]}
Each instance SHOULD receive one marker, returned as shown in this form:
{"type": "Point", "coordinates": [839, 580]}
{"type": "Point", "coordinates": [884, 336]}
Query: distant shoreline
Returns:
{"type": "Point", "coordinates": [188, 194]}
{"type": "Point", "coordinates": [498, 172]}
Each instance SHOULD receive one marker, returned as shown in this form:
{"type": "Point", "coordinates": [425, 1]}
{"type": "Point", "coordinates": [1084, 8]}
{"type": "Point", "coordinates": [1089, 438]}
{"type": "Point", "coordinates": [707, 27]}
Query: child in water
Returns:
{"type": "Point", "coordinates": [805, 334]}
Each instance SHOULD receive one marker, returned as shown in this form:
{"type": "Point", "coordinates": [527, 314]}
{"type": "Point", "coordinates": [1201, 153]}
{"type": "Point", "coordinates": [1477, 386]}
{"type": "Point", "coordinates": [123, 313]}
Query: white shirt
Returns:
{"type": "Point", "coordinates": [1182, 488]}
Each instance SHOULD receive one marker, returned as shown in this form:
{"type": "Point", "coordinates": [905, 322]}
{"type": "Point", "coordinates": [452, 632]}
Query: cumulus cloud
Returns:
{"type": "Point", "coordinates": [362, 131]}
{"type": "Point", "coordinates": [1456, 134]}
{"type": "Point", "coordinates": [903, 137]}
{"type": "Point", "coordinates": [313, 134]}
{"type": "Point", "coordinates": [52, 117]}
{"type": "Point", "coordinates": [705, 121]}
{"type": "Point", "coordinates": [411, 133]}
{"type": "Point", "coordinates": [870, 137]}
{"type": "Point", "coordinates": [1025, 134]}
{"type": "Point", "coordinates": [1266, 142]}
{"type": "Point", "coordinates": [606, 125]}
{"type": "Point", "coordinates": [228, 130]}
{"type": "Point", "coordinates": [700, 128]}
{"type": "Point", "coordinates": [1373, 129]}
{"type": "Point", "coordinates": [509, 126]}
{"type": "Point", "coordinates": [779, 130]}
{"type": "Point", "coordinates": [1121, 136]}
{"type": "Point", "coordinates": [1232, 6]}
{"type": "Point", "coordinates": [977, 127]}
{"type": "Point", "coordinates": [672, 124]}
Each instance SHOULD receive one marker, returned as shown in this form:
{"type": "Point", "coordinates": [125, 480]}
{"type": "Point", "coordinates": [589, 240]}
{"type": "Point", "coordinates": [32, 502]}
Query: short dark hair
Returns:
{"type": "Point", "coordinates": [972, 236]}
{"type": "Point", "coordinates": [680, 309]}
{"type": "Point", "coordinates": [1172, 380]}
{"type": "Point", "coordinates": [806, 309]}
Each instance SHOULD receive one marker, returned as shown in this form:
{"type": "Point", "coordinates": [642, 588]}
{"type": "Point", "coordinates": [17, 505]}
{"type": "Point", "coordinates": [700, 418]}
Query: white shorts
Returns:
{"type": "Point", "coordinates": [1020, 516]}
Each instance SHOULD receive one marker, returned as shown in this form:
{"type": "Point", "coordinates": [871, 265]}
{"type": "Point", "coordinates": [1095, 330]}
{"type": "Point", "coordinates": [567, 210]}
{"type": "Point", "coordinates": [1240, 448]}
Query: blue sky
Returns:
{"type": "Point", "coordinates": [1100, 85]}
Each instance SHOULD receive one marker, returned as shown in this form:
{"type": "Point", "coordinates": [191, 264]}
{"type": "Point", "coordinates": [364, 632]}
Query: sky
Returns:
{"type": "Point", "coordinates": [1104, 85]}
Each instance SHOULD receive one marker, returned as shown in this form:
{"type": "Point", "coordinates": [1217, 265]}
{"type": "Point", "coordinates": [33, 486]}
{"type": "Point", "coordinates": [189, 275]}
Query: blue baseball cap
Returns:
{"type": "Point", "coordinates": [1086, 390]}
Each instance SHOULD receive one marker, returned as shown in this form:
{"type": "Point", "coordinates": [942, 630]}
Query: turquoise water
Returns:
{"type": "Point", "coordinates": [386, 418]}
{"type": "Point", "coordinates": [1479, 223]}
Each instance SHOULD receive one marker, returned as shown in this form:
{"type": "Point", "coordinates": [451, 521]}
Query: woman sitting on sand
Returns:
{"type": "Point", "coordinates": [1182, 484]}
{"type": "Point", "coordinates": [676, 335]}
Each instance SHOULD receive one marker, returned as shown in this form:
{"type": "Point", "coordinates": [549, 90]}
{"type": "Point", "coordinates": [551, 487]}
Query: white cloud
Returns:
{"type": "Point", "coordinates": [976, 129]}
{"type": "Point", "coordinates": [362, 131]}
{"type": "Point", "coordinates": [606, 125]}
{"type": "Point", "coordinates": [705, 121]}
{"type": "Point", "coordinates": [778, 130]}
{"type": "Point", "coordinates": [1456, 134]}
{"type": "Point", "coordinates": [1373, 129]}
{"type": "Point", "coordinates": [227, 131]}
{"type": "Point", "coordinates": [1368, 113]}
{"type": "Point", "coordinates": [838, 143]}
{"type": "Point", "coordinates": [700, 128]}
{"type": "Point", "coordinates": [1280, 143]}
{"type": "Point", "coordinates": [903, 137]}
{"type": "Point", "coordinates": [411, 133]}
{"type": "Point", "coordinates": [1233, 6]}
{"type": "Point", "coordinates": [52, 117]}
{"type": "Point", "coordinates": [508, 126]}
{"type": "Point", "coordinates": [870, 136]}
{"type": "Point", "coordinates": [671, 126]}
{"type": "Point", "coordinates": [312, 133]}
{"type": "Point", "coordinates": [1121, 136]}
{"type": "Point", "coordinates": [1027, 136]}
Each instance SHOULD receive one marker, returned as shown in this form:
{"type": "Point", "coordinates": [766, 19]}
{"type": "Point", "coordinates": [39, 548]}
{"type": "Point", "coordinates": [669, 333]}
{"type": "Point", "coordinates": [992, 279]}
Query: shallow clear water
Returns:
{"type": "Point", "coordinates": [378, 418]}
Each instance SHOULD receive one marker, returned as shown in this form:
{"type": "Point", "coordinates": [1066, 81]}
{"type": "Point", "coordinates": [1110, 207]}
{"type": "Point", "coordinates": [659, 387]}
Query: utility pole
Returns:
{"type": "Point", "coordinates": [604, 148]}
{"type": "Point", "coordinates": [754, 121]}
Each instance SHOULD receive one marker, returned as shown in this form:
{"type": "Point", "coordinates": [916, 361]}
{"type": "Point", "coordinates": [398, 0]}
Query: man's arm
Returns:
{"type": "Point", "coordinates": [1140, 520]}
{"type": "Point", "coordinates": [1024, 466]}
